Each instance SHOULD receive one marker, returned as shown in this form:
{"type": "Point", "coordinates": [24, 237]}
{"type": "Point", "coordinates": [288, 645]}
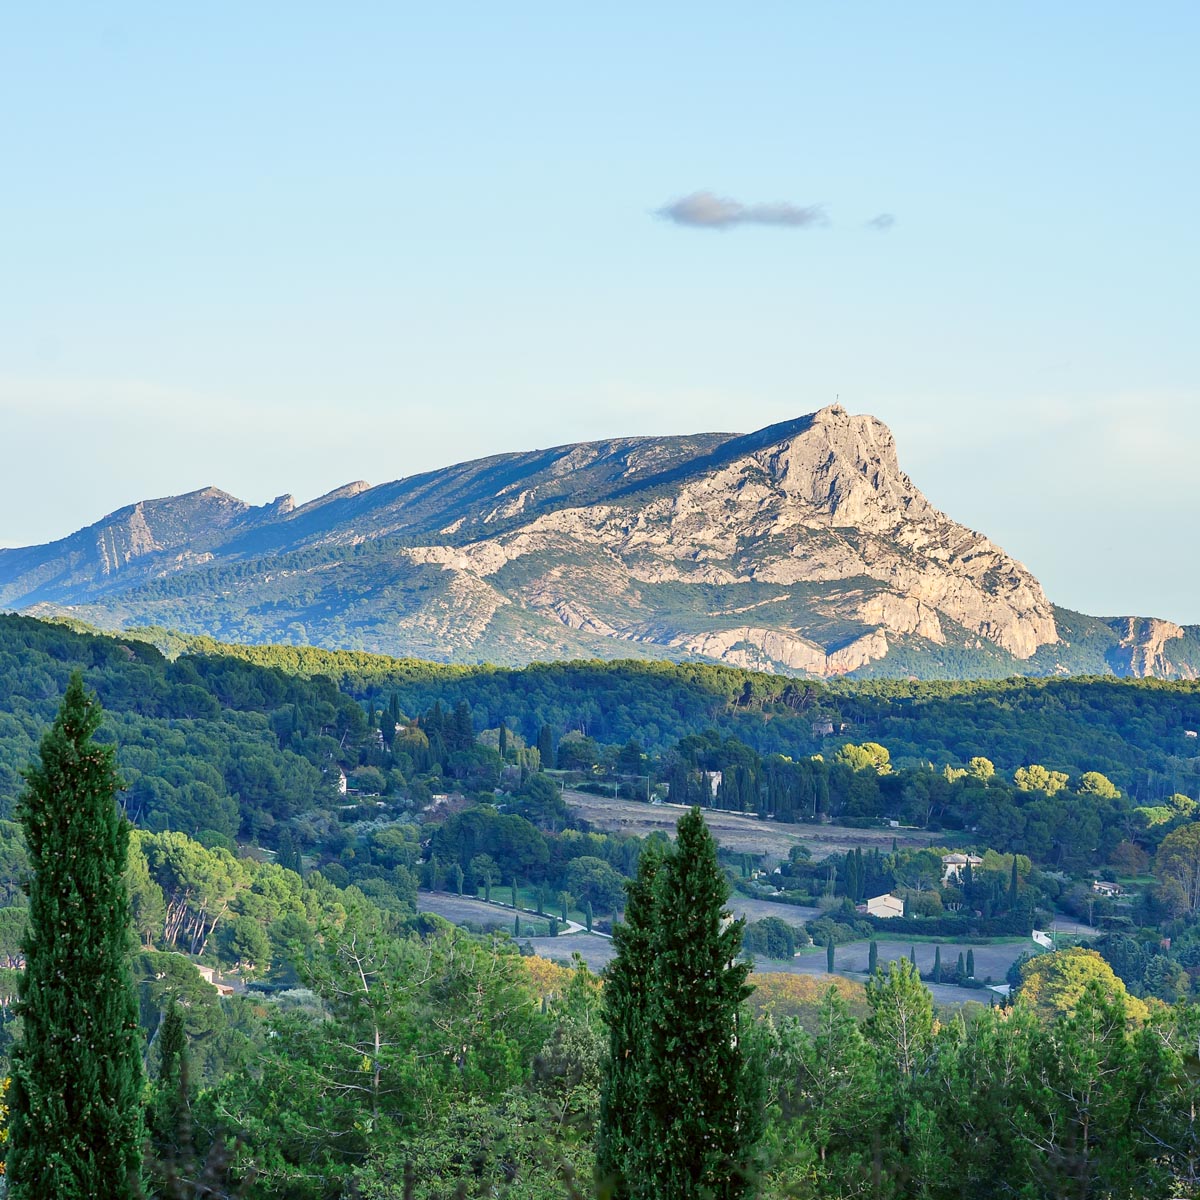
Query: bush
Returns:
{"type": "Point", "coordinates": [770, 937]}
{"type": "Point", "coordinates": [822, 928]}
{"type": "Point", "coordinates": [955, 925]}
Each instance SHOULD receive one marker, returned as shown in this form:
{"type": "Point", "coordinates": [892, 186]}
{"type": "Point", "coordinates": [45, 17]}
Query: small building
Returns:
{"type": "Point", "coordinates": [953, 866]}
{"type": "Point", "coordinates": [210, 977]}
{"type": "Point", "coordinates": [1103, 887]}
{"type": "Point", "coordinates": [343, 783]}
{"type": "Point", "coordinates": [885, 906]}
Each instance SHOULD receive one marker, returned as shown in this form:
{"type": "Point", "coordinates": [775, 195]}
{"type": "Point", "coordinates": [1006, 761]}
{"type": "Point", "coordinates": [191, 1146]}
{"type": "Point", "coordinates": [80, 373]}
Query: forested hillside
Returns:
{"type": "Point", "coordinates": [242, 740]}
{"type": "Point", "coordinates": [290, 803]}
{"type": "Point", "coordinates": [1135, 731]}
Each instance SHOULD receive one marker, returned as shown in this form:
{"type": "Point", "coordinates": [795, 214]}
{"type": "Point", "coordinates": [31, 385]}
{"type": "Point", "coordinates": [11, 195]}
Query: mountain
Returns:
{"type": "Point", "coordinates": [801, 548]}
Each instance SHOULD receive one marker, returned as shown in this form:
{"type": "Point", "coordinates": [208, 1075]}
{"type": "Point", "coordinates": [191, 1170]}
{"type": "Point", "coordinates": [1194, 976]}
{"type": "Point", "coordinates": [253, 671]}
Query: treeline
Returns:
{"type": "Point", "coordinates": [1133, 731]}
{"type": "Point", "coordinates": [250, 744]}
{"type": "Point", "coordinates": [1063, 822]}
{"type": "Point", "coordinates": [1074, 1092]}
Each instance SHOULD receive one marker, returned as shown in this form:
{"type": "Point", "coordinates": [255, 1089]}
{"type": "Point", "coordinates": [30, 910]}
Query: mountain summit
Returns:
{"type": "Point", "coordinates": [802, 547]}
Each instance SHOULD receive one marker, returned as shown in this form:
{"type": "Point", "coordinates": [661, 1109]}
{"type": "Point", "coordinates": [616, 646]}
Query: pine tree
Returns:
{"type": "Point", "coordinates": [937, 964]}
{"type": "Point", "coordinates": [1013, 888]}
{"type": "Point", "coordinates": [900, 1028]}
{"type": "Point", "coordinates": [503, 740]}
{"type": "Point", "coordinates": [873, 959]}
{"type": "Point", "coordinates": [970, 964]}
{"type": "Point", "coordinates": [829, 954]}
{"type": "Point", "coordinates": [961, 969]}
{"type": "Point", "coordinates": [699, 1115]}
{"type": "Point", "coordinates": [76, 1117]}
{"type": "Point", "coordinates": [588, 915]}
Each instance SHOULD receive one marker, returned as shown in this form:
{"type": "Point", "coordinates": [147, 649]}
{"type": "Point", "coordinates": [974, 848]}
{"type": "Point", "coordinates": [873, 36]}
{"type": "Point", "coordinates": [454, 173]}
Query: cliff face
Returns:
{"type": "Point", "coordinates": [1151, 649]}
{"type": "Point", "coordinates": [825, 505]}
{"type": "Point", "coordinates": [802, 547]}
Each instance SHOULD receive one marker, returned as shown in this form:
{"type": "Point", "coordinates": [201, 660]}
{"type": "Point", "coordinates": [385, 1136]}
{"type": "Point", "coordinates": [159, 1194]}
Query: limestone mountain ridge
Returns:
{"type": "Point", "coordinates": [801, 548]}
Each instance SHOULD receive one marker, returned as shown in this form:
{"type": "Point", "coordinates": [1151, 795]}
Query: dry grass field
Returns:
{"type": "Point", "coordinates": [741, 833]}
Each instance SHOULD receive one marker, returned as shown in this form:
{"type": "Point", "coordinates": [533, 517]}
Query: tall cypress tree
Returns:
{"type": "Point", "coordinates": [699, 1116]}
{"type": "Point", "coordinates": [76, 1123]}
{"type": "Point", "coordinates": [625, 990]}
{"type": "Point", "coordinates": [545, 745]}
{"type": "Point", "coordinates": [168, 1113]}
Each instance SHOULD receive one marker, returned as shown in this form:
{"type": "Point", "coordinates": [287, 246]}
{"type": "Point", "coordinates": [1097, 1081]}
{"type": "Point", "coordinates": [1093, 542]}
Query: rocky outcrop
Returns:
{"type": "Point", "coordinates": [1143, 649]}
{"type": "Point", "coordinates": [761, 649]}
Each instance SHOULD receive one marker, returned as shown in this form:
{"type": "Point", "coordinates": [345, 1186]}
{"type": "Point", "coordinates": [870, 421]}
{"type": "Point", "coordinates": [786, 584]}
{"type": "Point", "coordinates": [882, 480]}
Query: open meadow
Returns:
{"type": "Point", "coordinates": [741, 833]}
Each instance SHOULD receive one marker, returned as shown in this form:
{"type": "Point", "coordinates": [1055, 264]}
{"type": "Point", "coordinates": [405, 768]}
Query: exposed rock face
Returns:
{"type": "Point", "coordinates": [1143, 648]}
{"type": "Point", "coordinates": [827, 504]}
{"type": "Point", "coordinates": [802, 547]}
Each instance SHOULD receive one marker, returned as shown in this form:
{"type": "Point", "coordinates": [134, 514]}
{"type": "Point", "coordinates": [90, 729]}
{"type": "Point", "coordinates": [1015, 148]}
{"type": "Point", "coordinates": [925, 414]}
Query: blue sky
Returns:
{"type": "Point", "coordinates": [280, 247]}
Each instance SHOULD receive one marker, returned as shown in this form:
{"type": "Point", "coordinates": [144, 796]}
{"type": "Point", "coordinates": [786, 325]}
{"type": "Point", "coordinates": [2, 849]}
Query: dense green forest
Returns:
{"type": "Point", "coordinates": [289, 804]}
{"type": "Point", "coordinates": [1134, 731]}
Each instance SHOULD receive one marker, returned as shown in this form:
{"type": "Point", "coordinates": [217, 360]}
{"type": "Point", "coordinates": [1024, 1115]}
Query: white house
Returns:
{"type": "Point", "coordinates": [886, 905]}
{"type": "Point", "coordinates": [1103, 887]}
{"type": "Point", "coordinates": [210, 976]}
{"type": "Point", "coordinates": [953, 866]}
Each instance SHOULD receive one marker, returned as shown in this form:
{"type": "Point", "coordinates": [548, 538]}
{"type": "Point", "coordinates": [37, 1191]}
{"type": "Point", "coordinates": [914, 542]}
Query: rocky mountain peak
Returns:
{"type": "Point", "coordinates": [800, 547]}
{"type": "Point", "coordinates": [846, 466]}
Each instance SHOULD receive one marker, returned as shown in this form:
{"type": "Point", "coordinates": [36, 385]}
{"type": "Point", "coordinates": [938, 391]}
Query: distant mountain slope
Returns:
{"type": "Point", "coordinates": [800, 548]}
